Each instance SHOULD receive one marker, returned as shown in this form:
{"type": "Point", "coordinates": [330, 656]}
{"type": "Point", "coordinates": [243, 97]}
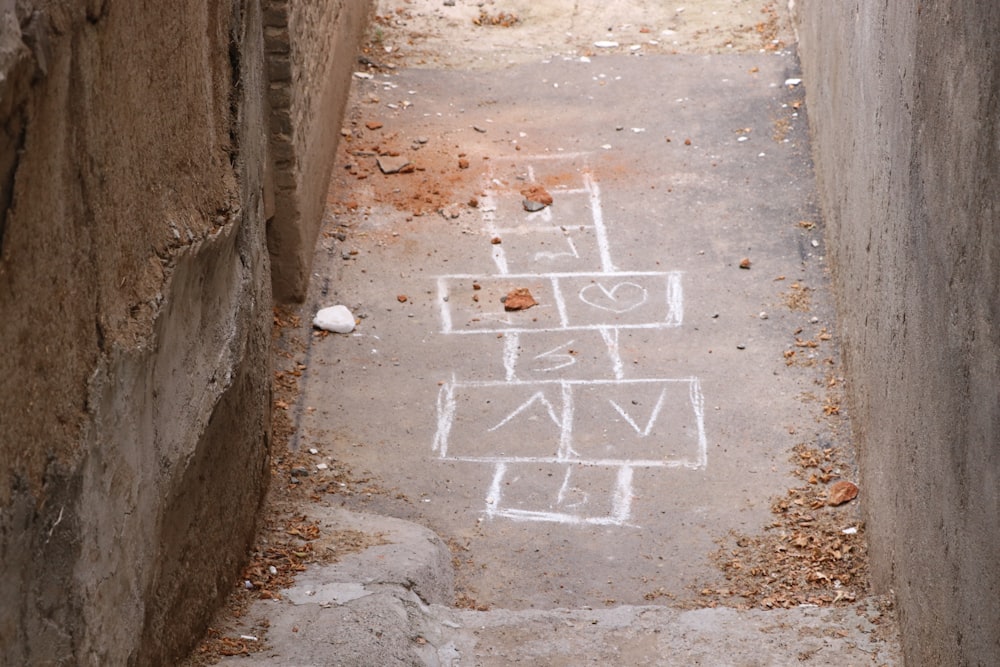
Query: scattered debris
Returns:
{"type": "Point", "coordinates": [501, 19]}
{"type": "Point", "coordinates": [518, 299]}
{"type": "Point", "coordinates": [394, 164]}
{"type": "Point", "coordinates": [537, 193]}
{"type": "Point", "coordinates": [798, 297]}
{"type": "Point", "coordinates": [337, 319]}
{"type": "Point", "coordinates": [805, 556]}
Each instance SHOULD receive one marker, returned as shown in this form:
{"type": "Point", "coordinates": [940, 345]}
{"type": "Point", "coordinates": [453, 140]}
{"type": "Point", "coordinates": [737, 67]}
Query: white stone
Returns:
{"type": "Point", "coordinates": [605, 44]}
{"type": "Point", "coordinates": [337, 319]}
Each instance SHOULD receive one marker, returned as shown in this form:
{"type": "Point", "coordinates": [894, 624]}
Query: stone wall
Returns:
{"type": "Point", "coordinates": [135, 314]}
{"type": "Point", "coordinates": [904, 98]}
{"type": "Point", "coordinates": [311, 50]}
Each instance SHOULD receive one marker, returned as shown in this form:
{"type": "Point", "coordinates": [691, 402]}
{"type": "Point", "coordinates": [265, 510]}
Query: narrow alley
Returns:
{"type": "Point", "coordinates": [594, 359]}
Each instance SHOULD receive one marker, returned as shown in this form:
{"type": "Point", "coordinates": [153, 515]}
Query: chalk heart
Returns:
{"type": "Point", "coordinates": [620, 298]}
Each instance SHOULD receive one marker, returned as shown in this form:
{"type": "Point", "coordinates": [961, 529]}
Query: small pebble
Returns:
{"type": "Point", "coordinates": [762, 315]}
{"type": "Point", "coordinates": [741, 346]}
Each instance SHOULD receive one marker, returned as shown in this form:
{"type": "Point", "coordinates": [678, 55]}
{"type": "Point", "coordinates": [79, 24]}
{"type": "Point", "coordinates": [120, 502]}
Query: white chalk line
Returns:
{"type": "Point", "coordinates": [610, 336]}
{"type": "Point", "coordinates": [675, 300]}
{"type": "Point", "coordinates": [597, 213]}
{"type": "Point", "coordinates": [493, 494]}
{"type": "Point", "coordinates": [591, 463]}
{"type": "Point", "coordinates": [565, 155]}
{"type": "Point", "coordinates": [557, 517]}
{"type": "Point", "coordinates": [570, 327]}
{"type": "Point", "coordinates": [698, 405]}
{"type": "Point", "coordinates": [524, 230]}
{"type": "Point", "coordinates": [443, 296]}
{"type": "Point", "coordinates": [566, 429]}
{"type": "Point", "coordinates": [511, 346]}
{"type": "Point", "coordinates": [621, 503]}
{"type": "Point", "coordinates": [445, 417]}
{"type": "Point", "coordinates": [564, 274]}
{"type": "Point", "coordinates": [588, 383]}
{"type": "Point", "coordinates": [560, 303]}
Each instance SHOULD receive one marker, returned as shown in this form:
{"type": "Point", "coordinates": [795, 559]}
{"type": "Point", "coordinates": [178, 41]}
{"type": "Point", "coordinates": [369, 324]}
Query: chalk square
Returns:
{"type": "Point", "coordinates": [579, 355]}
{"type": "Point", "coordinates": [475, 304]}
{"type": "Point", "coordinates": [623, 299]}
{"type": "Point", "coordinates": [570, 209]}
{"type": "Point", "coordinates": [657, 421]}
{"type": "Point", "coordinates": [551, 249]}
{"type": "Point", "coordinates": [490, 420]}
{"type": "Point", "coordinates": [561, 493]}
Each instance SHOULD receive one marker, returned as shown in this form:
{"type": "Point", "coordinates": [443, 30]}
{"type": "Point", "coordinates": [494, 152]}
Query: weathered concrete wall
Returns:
{"type": "Point", "coordinates": [312, 49]}
{"type": "Point", "coordinates": [134, 318]}
{"type": "Point", "coordinates": [905, 103]}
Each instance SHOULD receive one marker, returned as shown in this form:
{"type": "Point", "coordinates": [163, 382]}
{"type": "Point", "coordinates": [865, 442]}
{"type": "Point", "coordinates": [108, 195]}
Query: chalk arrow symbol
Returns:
{"type": "Point", "coordinates": [537, 397]}
{"type": "Point", "coordinates": [648, 428]}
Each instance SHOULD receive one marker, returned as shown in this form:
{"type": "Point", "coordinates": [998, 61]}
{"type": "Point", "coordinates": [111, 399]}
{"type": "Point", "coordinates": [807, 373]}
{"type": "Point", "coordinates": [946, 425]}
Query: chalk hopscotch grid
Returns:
{"type": "Point", "coordinates": [622, 494]}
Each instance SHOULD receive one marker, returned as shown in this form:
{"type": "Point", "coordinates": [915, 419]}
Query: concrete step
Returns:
{"type": "Point", "coordinates": [386, 605]}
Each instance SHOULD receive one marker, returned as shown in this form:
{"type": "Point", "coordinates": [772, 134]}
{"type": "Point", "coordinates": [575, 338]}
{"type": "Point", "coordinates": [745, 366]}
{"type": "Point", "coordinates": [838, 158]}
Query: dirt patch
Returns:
{"type": "Point", "coordinates": [495, 34]}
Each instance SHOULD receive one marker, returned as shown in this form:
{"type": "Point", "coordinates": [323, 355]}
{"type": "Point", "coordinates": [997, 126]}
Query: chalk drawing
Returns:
{"type": "Point", "coordinates": [643, 432]}
{"type": "Point", "coordinates": [556, 358]}
{"type": "Point", "coordinates": [564, 446]}
{"type": "Point", "coordinates": [619, 298]}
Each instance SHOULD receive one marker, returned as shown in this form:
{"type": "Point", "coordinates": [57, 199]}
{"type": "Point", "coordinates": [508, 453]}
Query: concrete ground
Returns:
{"type": "Point", "coordinates": [571, 483]}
